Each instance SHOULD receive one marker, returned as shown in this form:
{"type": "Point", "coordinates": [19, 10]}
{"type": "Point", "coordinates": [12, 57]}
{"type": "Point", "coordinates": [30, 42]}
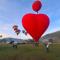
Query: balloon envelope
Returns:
{"type": "Point", "coordinates": [23, 31]}
{"type": "Point", "coordinates": [36, 6]}
{"type": "Point", "coordinates": [35, 24]}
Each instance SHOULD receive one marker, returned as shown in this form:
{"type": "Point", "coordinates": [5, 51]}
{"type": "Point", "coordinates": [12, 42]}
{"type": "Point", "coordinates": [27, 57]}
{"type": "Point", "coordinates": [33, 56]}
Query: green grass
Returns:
{"type": "Point", "coordinates": [27, 52]}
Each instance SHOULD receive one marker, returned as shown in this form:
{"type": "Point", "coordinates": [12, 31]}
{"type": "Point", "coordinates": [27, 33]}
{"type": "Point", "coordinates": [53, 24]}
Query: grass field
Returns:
{"type": "Point", "coordinates": [27, 52]}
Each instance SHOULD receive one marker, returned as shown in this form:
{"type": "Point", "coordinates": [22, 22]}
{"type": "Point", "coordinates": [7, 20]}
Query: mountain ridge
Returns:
{"type": "Point", "coordinates": [55, 36]}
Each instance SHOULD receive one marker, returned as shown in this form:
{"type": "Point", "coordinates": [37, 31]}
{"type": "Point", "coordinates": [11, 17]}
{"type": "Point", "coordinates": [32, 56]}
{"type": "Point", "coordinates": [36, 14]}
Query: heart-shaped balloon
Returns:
{"type": "Point", "coordinates": [35, 24]}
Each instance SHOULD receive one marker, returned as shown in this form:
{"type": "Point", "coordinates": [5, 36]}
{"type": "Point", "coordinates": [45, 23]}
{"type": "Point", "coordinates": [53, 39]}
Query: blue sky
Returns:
{"type": "Point", "coordinates": [12, 11]}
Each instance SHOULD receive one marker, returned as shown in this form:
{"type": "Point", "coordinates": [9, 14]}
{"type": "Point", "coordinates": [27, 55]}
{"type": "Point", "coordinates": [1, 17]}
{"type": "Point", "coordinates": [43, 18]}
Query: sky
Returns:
{"type": "Point", "coordinates": [12, 11]}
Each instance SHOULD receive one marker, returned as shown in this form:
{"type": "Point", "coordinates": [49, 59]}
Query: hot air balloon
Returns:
{"type": "Point", "coordinates": [17, 31]}
{"type": "Point", "coordinates": [24, 32]}
{"type": "Point", "coordinates": [36, 6]}
{"type": "Point", "coordinates": [36, 24]}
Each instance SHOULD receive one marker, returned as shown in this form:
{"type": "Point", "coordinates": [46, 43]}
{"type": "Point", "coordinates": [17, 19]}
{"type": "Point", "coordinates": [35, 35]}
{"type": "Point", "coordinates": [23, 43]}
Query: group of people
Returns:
{"type": "Point", "coordinates": [45, 43]}
{"type": "Point", "coordinates": [14, 45]}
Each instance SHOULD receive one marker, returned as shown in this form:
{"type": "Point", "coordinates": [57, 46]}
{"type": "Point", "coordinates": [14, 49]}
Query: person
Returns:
{"type": "Point", "coordinates": [47, 47]}
{"type": "Point", "coordinates": [14, 44]}
{"type": "Point", "coordinates": [46, 44]}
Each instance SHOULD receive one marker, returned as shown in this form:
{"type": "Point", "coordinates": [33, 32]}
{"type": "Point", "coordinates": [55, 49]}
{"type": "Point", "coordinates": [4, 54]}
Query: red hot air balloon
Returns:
{"type": "Point", "coordinates": [36, 6]}
{"type": "Point", "coordinates": [35, 24]}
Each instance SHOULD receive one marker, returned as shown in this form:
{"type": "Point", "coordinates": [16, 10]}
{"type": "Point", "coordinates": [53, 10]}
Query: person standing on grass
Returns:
{"type": "Point", "coordinates": [46, 44]}
{"type": "Point", "coordinates": [14, 44]}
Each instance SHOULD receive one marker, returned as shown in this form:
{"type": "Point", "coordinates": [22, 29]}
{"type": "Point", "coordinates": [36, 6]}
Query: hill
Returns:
{"type": "Point", "coordinates": [7, 40]}
{"type": "Point", "coordinates": [55, 36]}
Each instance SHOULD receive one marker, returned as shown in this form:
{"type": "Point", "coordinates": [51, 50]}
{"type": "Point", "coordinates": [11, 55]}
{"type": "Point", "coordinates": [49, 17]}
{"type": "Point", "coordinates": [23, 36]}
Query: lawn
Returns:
{"type": "Point", "coordinates": [27, 52]}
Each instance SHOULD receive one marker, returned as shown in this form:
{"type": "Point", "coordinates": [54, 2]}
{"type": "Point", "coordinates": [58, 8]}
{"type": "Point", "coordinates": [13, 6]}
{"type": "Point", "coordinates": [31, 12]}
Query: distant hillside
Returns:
{"type": "Point", "coordinates": [6, 40]}
{"type": "Point", "coordinates": [54, 36]}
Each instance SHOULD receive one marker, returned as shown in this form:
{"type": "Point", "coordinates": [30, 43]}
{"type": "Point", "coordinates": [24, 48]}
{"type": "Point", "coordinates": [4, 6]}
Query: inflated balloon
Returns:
{"type": "Point", "coordinates": [17, 32]}
{"type": "Point", "coordinates": [36, 6]}
{"type": "Point", "coordinates": [15, 28]}
{"type": "Point", "coordinates": [23, 31]}
{"type": "Point", "coordinates": [35, 24]}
